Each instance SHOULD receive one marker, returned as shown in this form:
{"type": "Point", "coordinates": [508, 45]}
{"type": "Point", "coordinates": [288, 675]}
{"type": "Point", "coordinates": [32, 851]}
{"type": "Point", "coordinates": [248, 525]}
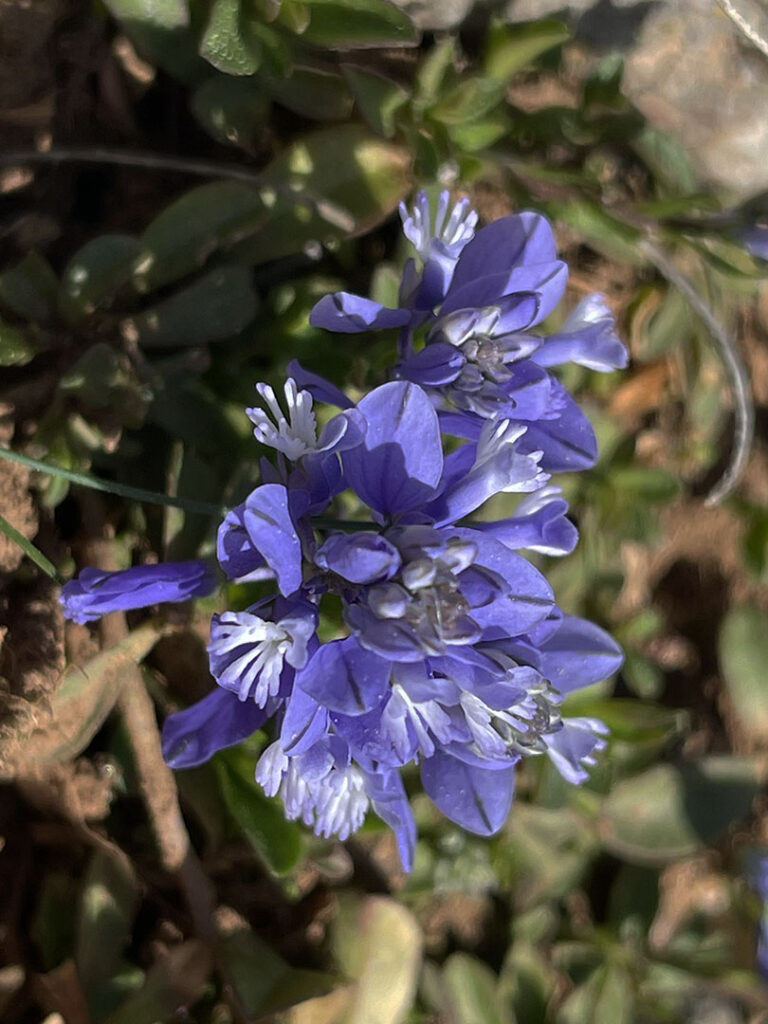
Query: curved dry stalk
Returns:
{"type": "Point", "coordinates": [129, 158]}
{"type": "Point", "coordinates": [738, 380]}
{"type": "Point", "coordinates": [333, 213]}
{"type": "Point", "coordinates": [156, 780]}
{"type": "Point", "coordinates": [747, 30]}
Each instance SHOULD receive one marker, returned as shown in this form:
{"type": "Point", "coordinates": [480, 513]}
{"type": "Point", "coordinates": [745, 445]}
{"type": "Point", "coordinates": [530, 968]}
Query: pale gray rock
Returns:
{"type": "Point", "coordinates": [693, 75]}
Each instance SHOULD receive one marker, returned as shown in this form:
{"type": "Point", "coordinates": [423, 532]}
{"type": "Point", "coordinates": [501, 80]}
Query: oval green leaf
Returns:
{"type": "Point", "coordinates": [208, 218]}
{"type": "Point", "coordinates": [29, 289]}
{"type": "Point", "coordinates": [471, 991]}
{"type": "Point", "coordinates": [357, 24]}
{"type": "Point", "coordinates": [15, 348]}
{"type": "Point", "coordinates": [378, 943]}
{"type": "Point", "coordinates": [378, 98]}
{"type": "Point", "coordinates": [96, 273]}
{"type": "Point", "coordinates": [743, 653]}
{"type": "Point", "coordinates": [158, 13]}
{"type": "Point", "coordinates": [217, 306]}
{"type": "Point", "coordinates": [670, 811]}
{"type": "Point", "coordinates": [314, 93]}
{"type": "Point", "coordinates": [228, 43]}
{"type": "Point", "coordinates": [512, 47]}
{"type": "Point", "coordinates": [230, 109]}
{"type": "Point", "coordinates": [262, 819]}
{"type": "Point", "coordinates": [342, 181]}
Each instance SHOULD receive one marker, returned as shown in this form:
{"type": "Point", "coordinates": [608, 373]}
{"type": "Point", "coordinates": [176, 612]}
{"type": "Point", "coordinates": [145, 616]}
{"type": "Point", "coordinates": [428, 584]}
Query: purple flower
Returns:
{"type": "Point", "coordinates": [539, 524]}
{"type": "Point", "coordinates": [192, 736]}
{"type": "Point", "coordinates": [439, 248]}
{"type": "Point", "coordinates": [453, 655]}
{"type": "Point", "coordinates": [96, 592]}
{"type": "Point", "coordinates": [755, 240]}
{"type": "Point", "coordinates": [511, 264]}
{"type": "Point", "coordinates": [587, 337]}
{"type": "Point", "coordinates": [252, 656]}
{"type": "Point", "coordinates": [757, 875]}
{"type": "Point", "coordinates": [479, 298]}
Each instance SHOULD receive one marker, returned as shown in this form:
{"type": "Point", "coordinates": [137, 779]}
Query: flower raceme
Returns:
{"type": "Point", "coordinates": [454, 656]}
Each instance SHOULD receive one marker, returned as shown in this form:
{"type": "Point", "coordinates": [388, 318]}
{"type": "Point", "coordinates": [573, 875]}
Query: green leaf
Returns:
{"type": "Point", "coordinates": [655, 486]}
{"type": "Point", "coordinates": [178, 979]}
{"type": "Point", "coordinates": [304, 993]}
{"type": "Point", "coordinates": [159, 13]}
{"type": "Point", "coordinates": [634, 899]}
{"type": "Point", "coordinates": [659, 321]}
{"type": "Point", "coordinates": [732, 262]}
{"type": "Point", "coordinates": [255, 968]}
{"type": "Point", "coordinates": [602, 86]}
{"type": "Point", "coordinates": [551, 849]}
{"type": "Point", "coordinates": [201, 794]}
{"type": "Point", "coordinates": [643, 676]}
{"type": "Point", "coordinates": [230, 109]}
{"type": "Point", "coordinates": [96, 273]}
{"type": "Point", "coordinates": [181, 238]}
{"type": "Point", "coordinates": [669, 811]}
{"type": "Point", "coordinates": [606, 998]}
{"type": "Point", "coordinates": [378, 943]}
{"type": "Point", "coordinates": [314, 93]}
{"type": "Point", "coordinates": [471, 992]}
{"type": "Point", "coordinates": [432, 72]}
{"type": "Point", "coordinates": [228, 42]}
{"type": "Point", "coordinates": [29, 549]}
{"type": "Point", "coordinates": [105, 916]}
{"type": "Point", "coordinates": [467, 101]}
{"type": "Point", "coordinates": [294, 15]}
{"type": "Point", "coordinates": [511, 48]}
{"type": "Point", "coordinates": [385, 285]}
{"type": "Point", "coordinates": [378, 98]}
{"type": "Point", "coordinates": [173, 47]}
{"type": "Point", "coordinates": [267, 10]}
{"type": "Point", "coordinates": [528, 982]}
{"type": "Point", "coordinates": [30, 288]}
{"type": "Point", "coordinates": [668, 160]}
{"type": "Point", "coordinates": [84, 698]}
{"type": "Point", "coordinates": [477, 135]}
{"type": "Point", "coordinates": [610, 236]}
{"type": "Point", "coordinates": [262, 819]}
{"type": "Point", "coordinates": [15, 348]}
{"type": "Point", "coordinates": [218, 305]}
{"type": "Point", "coordinates": [342, 181]}
{"type": "Point", "coordinates": [357, 24]}
{"type": "Point", "coordinates": [631, 721]}
{"type": "Point", "coordinates": [191, 412]}
{"type": "Point", "coordinates": [755, 542]}
{"type": "Point", "coordinates": [743, 654]}
{"type": "Point", "coordinates": [639, 730]}
{"type": "Point", "coordinates": [103, 377]}
{"type": "Point", "coordinates": [111, 486]}
{"type": "Point", "coordinates": [51, 926]}
{"type": "Point", "coordinates": [277, 56]}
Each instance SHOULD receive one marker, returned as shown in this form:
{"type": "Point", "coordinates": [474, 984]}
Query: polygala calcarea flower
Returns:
{"type": "Point", "coordinates": [454, 655]}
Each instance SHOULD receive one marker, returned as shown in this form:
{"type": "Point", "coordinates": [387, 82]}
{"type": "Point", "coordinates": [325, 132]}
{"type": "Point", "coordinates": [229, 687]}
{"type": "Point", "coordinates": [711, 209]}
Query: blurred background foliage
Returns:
{"type": "Point", "coordinates": [201, 174]}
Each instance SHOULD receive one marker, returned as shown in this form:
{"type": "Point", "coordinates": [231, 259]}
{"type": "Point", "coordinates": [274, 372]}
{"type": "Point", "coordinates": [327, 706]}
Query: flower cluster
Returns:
{"type": "Point", "coordinates": [453, 655]}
